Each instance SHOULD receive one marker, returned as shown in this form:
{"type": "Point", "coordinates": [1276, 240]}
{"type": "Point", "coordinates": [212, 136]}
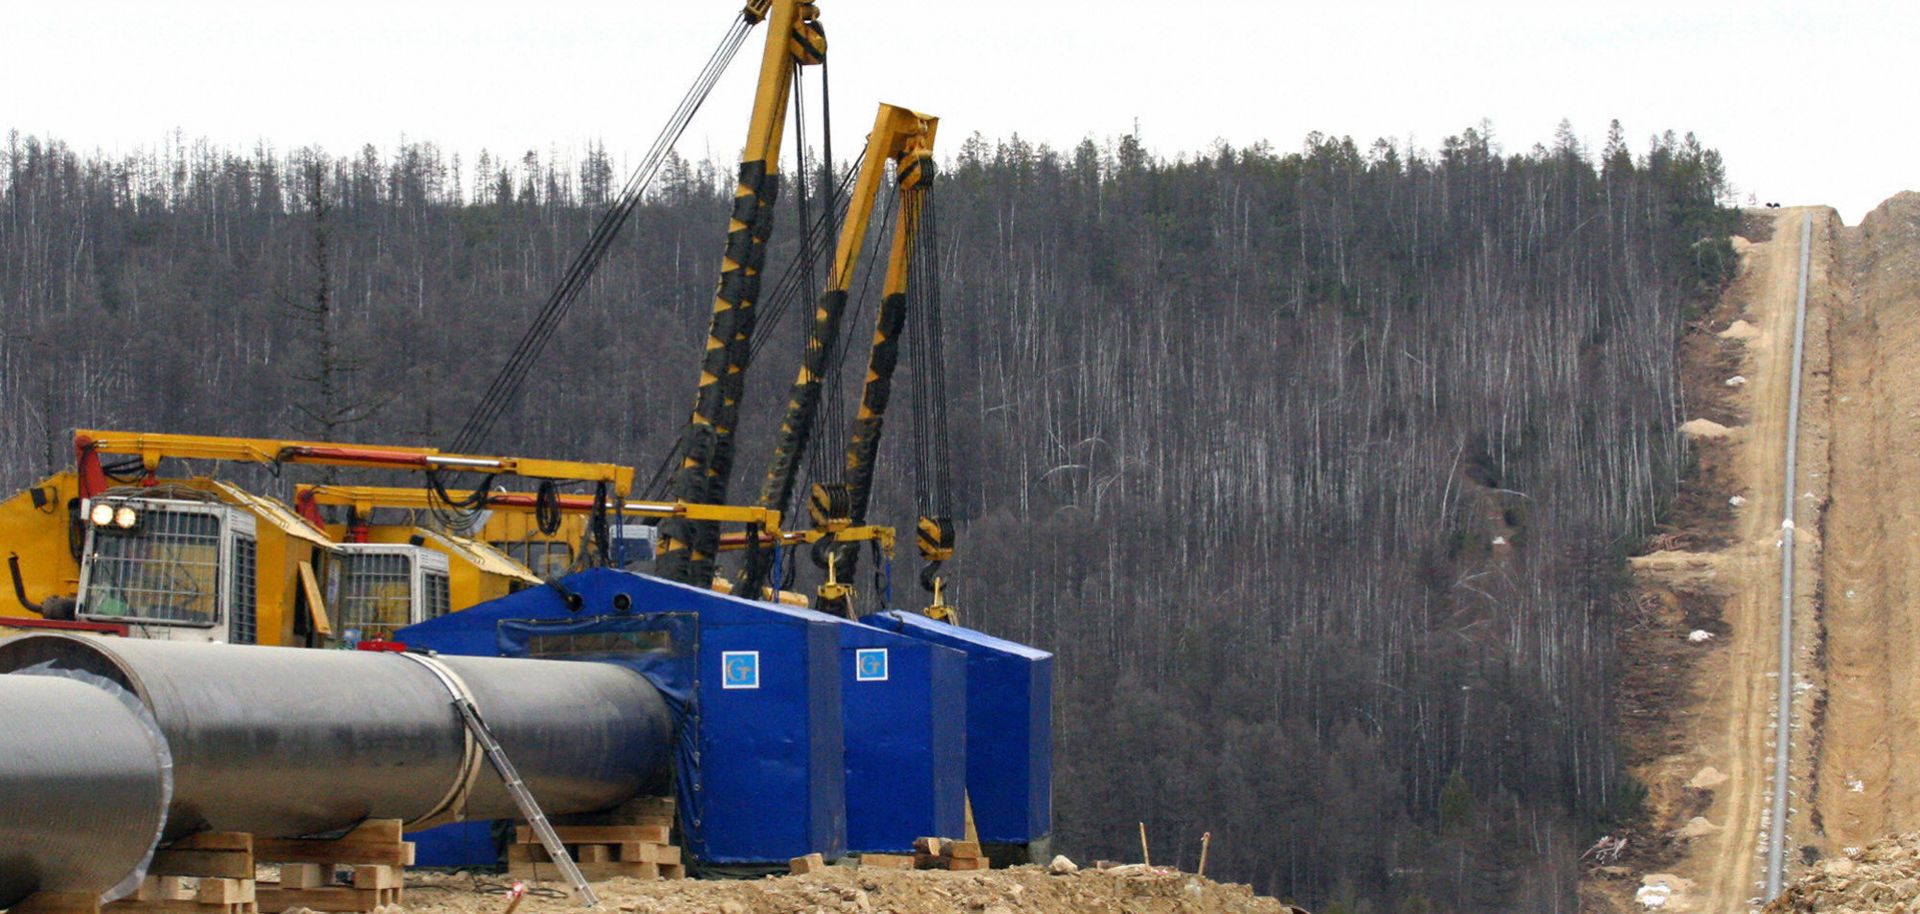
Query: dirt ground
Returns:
{"type": "Point", "coordinates": [852, 890]}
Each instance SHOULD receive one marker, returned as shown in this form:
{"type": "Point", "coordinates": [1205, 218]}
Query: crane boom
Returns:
{"type": "Point", "coordinates": [905, 138]}
{"type": "Point", "coordinates": [794, 38]}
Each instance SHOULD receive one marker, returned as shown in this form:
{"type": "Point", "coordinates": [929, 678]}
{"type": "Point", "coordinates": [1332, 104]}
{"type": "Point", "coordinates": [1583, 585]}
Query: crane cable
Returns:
{"type": "Point", "coordinates": [512, 377]}
{"type": "Point", "coordinates": [933, 458]}
{"type": "Point", "coordinates": [786, 291]}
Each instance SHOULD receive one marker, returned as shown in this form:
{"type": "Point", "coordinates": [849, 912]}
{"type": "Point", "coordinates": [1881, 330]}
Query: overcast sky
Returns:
{"type": "Point", "coordinates": [1811, 102]}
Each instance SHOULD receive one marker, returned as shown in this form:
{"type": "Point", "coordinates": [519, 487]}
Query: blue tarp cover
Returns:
{"type": "Point", "coordinates": [1009, 740]}
{"type": "Point", "coordinates": [760, 762]}
{"type": "Point", "coordinates": [906, 712]}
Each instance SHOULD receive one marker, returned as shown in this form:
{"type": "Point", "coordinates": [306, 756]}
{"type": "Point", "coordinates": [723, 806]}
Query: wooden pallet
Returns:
{"type": "Point", "coordinates": [214, 873]}
{"type": "Point", "coordinates": [948, 854]}
{"type": "Point", "coordinates": [225, 862]}
{"type": "Point", "coordinates": [632, 840]}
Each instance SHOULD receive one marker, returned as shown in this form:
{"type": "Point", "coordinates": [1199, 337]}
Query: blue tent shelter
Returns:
{"type": "Point", "coordinates": [1009, 727]}
{"type": "Point", "coordinates": [905, 705]}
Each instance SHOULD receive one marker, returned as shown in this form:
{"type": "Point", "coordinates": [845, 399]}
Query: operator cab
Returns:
{"type": "Point", "coordinates": [376, 589]}
{"type": "Point", "coordinates": [176, 569]}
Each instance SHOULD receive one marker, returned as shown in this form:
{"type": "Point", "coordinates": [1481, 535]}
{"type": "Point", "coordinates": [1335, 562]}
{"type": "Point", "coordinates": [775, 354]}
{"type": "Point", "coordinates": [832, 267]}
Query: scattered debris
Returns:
{"type": "Point", "coordinates": [1699, 636]}
{"type": "Point", "coordinates": [802, 866]}
{"type": "Point", "coordinates": [1737, 500]}
{"type": "Point", "coordinates": [1606, 850]}
{"type": "Point", "coordinates": [1061, 866]}
{"type": "Point", "coordinates": [1736, 381]}
{"type": "Point", "coordinates": [1657, 890]}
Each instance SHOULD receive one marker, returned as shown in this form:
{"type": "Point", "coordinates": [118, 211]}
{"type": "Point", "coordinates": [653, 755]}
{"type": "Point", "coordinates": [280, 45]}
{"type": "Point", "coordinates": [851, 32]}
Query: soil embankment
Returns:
{"type": "Point", "coordinates": [1865, 782]}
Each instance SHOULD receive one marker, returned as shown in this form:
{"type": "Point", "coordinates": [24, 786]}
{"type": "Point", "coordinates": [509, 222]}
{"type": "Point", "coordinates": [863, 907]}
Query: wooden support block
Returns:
{"type": "Point", "coordinates": [379, 877]}
{"type": "Point", "coordinates": [225, 891]}
{"type": "Point", "coordinates": [331, 898]}
{"type": "Point", "coordinates": [673, 871]}
{"type": "Point", "coordinates": [348, 850]}
{"type": "Point", "coordinates": [811, 863]}
{"type": "Point", "coordinates": [961, 850]}
{"type": "Point", "coordinates": [162, 888]}
{"type": "Point", "coordinates": [58, 903]}
{"type": "Point", "coordinates": [642, 811]}
{"type": "Point", "coordinates": [179, 907]}
{"type": "Point", "coordinates": [226, 855]}
{"type": "Point", "coordinates": [928, 862]}
{"type": "Point", "coordinates": [305, 875]}
{"type": "Point", "coordinates": [929, 845]}
{"type": "Point", "coordinates": [642, 852]}
{"type": "Point", "coordinates": [221, 864]}
{"type": "Point", "coordinates": [594, 853]}
{"type": "Point", "coordinates": [376, 831]}
{"type": "Point", "coordinates": [527, 853]}
{"type": "Point", "coordinates": [215, 841]}
{"type": "Point", "coordinates": [887, 861]}
{"type": "Point", "coordinates": [968, 863]}
{"type": "Point", "coordinates": [598, 834]}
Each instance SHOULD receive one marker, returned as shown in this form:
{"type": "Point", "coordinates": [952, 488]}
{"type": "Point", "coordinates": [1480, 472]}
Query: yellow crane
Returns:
{"type": "Point", "coordinates": [795, 39]}
{"type": "Point", "coordinates": [904, 138]}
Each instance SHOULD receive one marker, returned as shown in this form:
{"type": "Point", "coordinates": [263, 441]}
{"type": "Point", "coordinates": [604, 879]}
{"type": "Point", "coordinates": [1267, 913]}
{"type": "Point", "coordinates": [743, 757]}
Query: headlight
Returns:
{"type": "Point", "coordinates": [101, 514]}
{"type": "Point", "coordinates": [124, 517]}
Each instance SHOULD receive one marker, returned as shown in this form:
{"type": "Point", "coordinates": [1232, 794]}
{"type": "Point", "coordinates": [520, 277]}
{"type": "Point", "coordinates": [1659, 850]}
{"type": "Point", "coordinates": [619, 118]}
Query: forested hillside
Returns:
{"type": "Point", "coordinates": [1314, 468]}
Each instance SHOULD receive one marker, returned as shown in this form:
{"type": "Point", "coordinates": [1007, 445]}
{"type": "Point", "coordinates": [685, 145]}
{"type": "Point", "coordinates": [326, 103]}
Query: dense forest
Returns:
{"type": "Point", "coordinates": [1315, 468]}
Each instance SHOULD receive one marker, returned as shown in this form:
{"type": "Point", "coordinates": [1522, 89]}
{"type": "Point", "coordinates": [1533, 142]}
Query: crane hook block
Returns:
{"type": "Point", "coordinates": [936, 538]}
{"type": "Point", "coordinates": [830, 506]}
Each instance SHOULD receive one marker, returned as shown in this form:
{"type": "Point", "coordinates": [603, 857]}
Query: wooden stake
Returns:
{"type": "Point", "coordinates": [515, 896]}
{"type": "Point", "coordinates": [1145, 857]}
{"type": "Point", "coordinates": [1205, 838]}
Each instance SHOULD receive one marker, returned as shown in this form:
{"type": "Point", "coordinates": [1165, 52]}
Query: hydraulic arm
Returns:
{"type": "Point", "coordinates": [89, 445]}
{"type": "Point", "coordinates": [795, 38]}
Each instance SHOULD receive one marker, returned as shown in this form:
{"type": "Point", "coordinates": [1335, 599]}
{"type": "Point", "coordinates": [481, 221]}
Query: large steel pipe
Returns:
{"type": "Point", "coordinates": [287, 741]}
{"type": "Point", "coordinates": [83, 787]}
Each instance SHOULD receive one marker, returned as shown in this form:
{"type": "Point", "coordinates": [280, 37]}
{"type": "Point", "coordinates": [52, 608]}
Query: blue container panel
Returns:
{"type": "Point", "coordinates": [1009, 739]}
{"type": "Point", "coordinates": [905, 739]}
{"type": "Point", "coordinates": [770, 743]}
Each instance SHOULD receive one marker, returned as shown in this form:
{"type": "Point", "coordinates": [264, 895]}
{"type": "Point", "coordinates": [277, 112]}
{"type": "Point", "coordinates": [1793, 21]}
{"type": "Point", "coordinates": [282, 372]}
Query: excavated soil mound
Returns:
{"type": "Point", "coordinates": [851, 890]}
{"type": "Point", "coordinates": [1883, 879]}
